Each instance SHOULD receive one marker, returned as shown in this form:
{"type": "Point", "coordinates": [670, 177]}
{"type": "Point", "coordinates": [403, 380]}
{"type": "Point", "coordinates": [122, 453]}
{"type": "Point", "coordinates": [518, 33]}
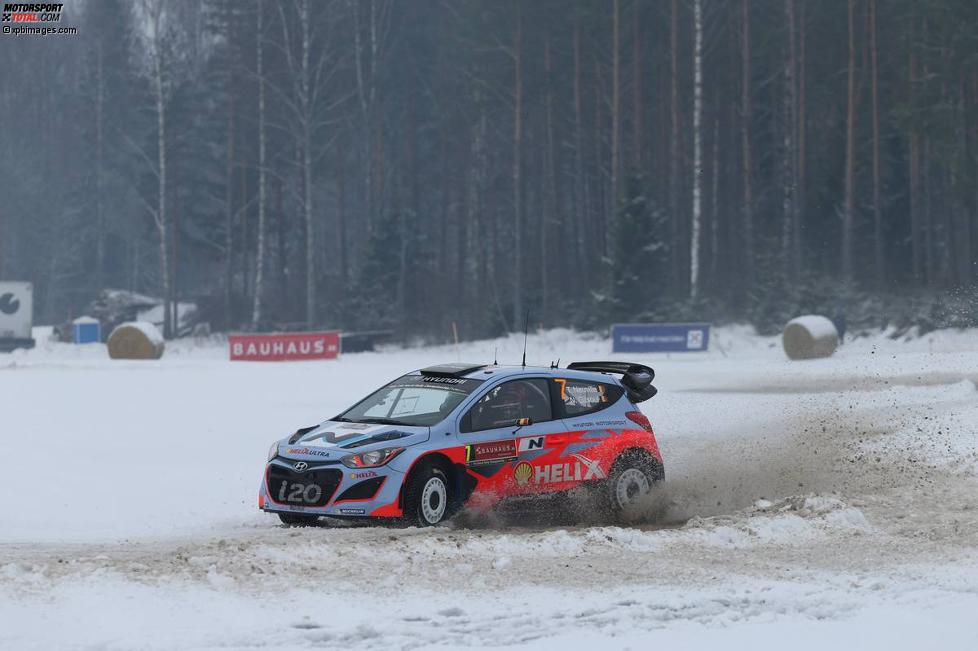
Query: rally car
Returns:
{"type": "Point", "coordinates": [471, 435]}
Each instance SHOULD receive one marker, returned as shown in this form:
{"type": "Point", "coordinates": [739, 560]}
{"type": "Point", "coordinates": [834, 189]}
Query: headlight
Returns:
{"type": "Point", "coordinates": [371, 459]}
{"type": "Point", "coordinates": [273, 451]}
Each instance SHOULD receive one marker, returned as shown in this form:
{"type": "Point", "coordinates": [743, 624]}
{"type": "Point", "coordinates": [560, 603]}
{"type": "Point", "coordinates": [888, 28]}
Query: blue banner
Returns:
{"type": "Point", "coordinates": [660, 337]}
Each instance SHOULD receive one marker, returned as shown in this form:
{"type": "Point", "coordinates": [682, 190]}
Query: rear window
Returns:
{"type": "Point", "coordinates": [579, 397]}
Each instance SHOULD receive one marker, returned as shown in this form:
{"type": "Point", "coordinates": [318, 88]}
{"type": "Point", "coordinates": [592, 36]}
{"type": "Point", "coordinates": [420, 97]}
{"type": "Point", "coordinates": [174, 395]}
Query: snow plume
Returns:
{"type": "Point", "coordinates": [752, 460]}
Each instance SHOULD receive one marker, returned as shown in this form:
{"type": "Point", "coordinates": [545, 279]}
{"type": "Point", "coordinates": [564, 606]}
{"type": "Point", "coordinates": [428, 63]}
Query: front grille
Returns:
{"type": "Point", "coordinates": [309, 488]}
{"type": "Point", "coordinates": [317, 462]}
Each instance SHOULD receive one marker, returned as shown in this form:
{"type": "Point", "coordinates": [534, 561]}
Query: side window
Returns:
{"type": "Point", "coordinates": [579, 397]}
{"type": "Point", "coordinates": [510, 401]}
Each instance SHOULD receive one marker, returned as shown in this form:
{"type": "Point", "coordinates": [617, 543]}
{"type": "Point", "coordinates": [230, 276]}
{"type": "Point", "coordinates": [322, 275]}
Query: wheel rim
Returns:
{"type": "Point", "coordinates": [434, 500]}
{"type": "Point", "coordinates": [631, 486]}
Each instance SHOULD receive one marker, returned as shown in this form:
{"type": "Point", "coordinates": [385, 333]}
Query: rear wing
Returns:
{"type": "Point", "coordinates": [636, 378]}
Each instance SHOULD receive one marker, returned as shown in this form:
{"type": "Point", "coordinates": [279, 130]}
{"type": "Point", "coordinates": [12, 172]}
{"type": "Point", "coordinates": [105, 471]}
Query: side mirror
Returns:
{"type": "Point", "coordinates": [522, 422]}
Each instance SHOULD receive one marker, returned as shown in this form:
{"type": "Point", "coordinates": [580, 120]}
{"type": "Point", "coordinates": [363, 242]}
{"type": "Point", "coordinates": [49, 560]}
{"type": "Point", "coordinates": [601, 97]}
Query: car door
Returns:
{"type": "Point", "coordinates": [511, 416]}
{"type": "Point", "coordinates": [588, 423]}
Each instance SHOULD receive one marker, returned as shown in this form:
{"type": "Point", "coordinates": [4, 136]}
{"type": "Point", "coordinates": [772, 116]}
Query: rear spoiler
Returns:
{"type": "Point", "coordinates": [636, 378]}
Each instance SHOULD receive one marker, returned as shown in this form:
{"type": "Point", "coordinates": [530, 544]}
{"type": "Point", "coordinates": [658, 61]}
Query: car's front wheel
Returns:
{"type": "Point", "coordinates": [298, 519]}
{"type": "Point", "coordinates": [428, 498]}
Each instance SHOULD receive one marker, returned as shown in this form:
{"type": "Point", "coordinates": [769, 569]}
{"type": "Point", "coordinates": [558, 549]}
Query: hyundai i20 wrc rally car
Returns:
{"type": "Point", "coordinates": [466, 435]}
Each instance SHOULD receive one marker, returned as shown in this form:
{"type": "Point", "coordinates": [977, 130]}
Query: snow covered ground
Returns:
{"type": "Point", "coordinates": [830, 502]}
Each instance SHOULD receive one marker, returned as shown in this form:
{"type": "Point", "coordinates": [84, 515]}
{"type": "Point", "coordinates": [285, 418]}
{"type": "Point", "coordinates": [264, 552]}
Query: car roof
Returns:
{"type": "Point", "coordinates": [488, 372]}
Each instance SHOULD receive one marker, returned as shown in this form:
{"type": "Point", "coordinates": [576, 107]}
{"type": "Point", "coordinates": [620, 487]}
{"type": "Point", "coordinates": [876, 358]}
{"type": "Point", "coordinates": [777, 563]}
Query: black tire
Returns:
{"type": "Point", "coordinates": [632, 478]}
{"type": "Point", "coordinates": [298, 519]}
{"type": "Point", "coordinates": [428, 496]}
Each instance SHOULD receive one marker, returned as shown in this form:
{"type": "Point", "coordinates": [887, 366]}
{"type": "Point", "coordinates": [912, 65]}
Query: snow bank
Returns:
{"type": "Point", "coordinates": [790, 521]}
{"type": "Point", "coordinates": [856, 564]}
{"type": "Point", "coordinates": [232, 411]}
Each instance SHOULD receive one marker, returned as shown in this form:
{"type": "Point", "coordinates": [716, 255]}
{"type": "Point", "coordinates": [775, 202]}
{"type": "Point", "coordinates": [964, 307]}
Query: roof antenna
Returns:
{"type": "Point", "coordinates": [495, 357]}
{"type": "Point", "coordinates": [526, 329]}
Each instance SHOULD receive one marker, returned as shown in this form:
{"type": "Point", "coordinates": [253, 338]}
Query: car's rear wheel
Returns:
{"type": "Point", "coordinates": [428, 498]}
{"type": "Point", "coordinates": [298, 519]}
{"type": "Point", "coordinates": [630, 484]}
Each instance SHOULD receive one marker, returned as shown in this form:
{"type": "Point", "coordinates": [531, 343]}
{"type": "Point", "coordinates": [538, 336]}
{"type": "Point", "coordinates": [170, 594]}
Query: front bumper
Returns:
{"type": "Point", "coordinates": [330, 488]}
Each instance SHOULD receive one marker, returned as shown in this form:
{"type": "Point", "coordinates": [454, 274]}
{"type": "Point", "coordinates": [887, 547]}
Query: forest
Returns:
{"type": "Point", "coordinates": [419, 165]}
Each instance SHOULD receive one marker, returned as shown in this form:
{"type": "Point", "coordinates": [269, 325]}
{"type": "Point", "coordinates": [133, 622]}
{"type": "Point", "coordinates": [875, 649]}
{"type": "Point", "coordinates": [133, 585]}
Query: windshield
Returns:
{"type": "Point", "coordinates": [411, 400]}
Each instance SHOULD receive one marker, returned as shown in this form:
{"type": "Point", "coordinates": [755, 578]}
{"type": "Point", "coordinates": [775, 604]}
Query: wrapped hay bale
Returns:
{"type": "Point", "coordinates": [136, 340]}
{"type": "Point", "coordinates": [809, 337]}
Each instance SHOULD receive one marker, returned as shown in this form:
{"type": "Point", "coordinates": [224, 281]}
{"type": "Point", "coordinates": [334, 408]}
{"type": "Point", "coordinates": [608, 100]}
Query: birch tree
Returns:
{"type": "Point", "coordinates": [697, 208]}
{"type": "Point", "coordinates": [306, 104]}
{"type": "Point", "coordinates": [518, 165]}
{"type": "Point", "coordinates": [310, 66]}
{"type": "Point", "coordinates": [849, 198]}
{"type": "Point", "coordinates": [368, 41]}
{"type": "Point", "coordinates": [790, 228]}
{"type": "Point", "coordinates": [161, 47]}
{"type": "Point", "coordinates": [615, 105]}
{"type": "Point", "coordinates": [746, 114]}
{"type": "Point", "coordinates": [256, 312]}
{"type": "Point", "coordinates": [877, 208]}
{"type": "Point", "coordinates": [229, 214]}
{"type": "Point", "coordinates": [675, 155]}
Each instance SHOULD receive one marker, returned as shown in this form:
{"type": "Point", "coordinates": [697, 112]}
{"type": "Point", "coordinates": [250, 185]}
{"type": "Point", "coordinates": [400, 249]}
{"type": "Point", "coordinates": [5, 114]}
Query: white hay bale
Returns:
{"type": "Point", "coordinates": [809, 337]}
{"type": "Point", "coordinates": [136, 340]}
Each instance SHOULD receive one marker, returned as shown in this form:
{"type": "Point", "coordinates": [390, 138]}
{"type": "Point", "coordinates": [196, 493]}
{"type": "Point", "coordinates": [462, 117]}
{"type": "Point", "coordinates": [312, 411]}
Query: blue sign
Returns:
{"type": "Point", "coordinates": [660, 337]}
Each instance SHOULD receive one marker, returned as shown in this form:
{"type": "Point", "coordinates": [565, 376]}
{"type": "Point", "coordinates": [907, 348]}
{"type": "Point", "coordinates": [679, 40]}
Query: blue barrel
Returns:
{"type": "Point", "coordinates": [87, 330]}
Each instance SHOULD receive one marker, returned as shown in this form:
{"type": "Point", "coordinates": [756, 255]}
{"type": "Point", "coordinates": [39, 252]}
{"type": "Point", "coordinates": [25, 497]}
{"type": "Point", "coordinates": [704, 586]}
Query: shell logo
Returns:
{"type": "Point", "coordinates": [523, 471]}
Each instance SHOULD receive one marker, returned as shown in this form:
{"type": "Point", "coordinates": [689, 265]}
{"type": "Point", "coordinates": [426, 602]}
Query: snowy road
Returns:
{"type": "Point", "coordinates": [830, 502]}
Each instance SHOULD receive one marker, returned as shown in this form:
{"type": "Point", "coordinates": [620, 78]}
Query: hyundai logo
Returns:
{"type": "Point", "coordinates": [301, 466]}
